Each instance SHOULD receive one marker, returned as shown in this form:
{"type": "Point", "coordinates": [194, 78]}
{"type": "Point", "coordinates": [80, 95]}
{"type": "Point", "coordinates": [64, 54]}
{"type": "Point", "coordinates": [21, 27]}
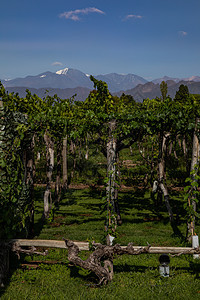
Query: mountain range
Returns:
{"type": "Point", "coordinates": [67, 82]}
{"type": "Point", "coordinates": [71, 78]}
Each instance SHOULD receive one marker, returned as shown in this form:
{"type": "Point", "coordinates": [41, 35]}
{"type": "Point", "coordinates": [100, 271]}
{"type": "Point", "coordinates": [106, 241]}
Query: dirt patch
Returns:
{"type": "Point", "coordinates": [86, 215]}
{"type": "Point", "coordinates": [78, 186]}
{"type": "Point", "coordinates": [128, 164]}
{"type": "Point", "coordinates": [81, 186]}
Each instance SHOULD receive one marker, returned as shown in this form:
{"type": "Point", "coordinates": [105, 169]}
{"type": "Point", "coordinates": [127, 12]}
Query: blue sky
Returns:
{"type": "Point", "coordinates": [150, 38]}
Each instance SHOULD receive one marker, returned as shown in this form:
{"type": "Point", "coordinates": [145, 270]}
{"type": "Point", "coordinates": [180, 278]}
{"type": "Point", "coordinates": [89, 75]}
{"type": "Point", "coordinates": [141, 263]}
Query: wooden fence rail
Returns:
{"type": "Point", "coordinates": [85, 246]}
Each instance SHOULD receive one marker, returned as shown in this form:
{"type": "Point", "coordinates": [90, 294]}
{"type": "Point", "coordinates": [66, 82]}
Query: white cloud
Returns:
{"type": "Point", "coordinates": [133, 17]}
{"type": "Point", "coordinates": [57, 63]}
{"type": "Point", "coordinates": [183, 33]}
{"type": "Point", "coordinates": [74, 14]}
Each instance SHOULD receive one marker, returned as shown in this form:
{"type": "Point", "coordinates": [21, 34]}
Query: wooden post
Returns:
{"type": "Point", "coordinates": [65, 175]}
{"type": "Point", "coordinates": [58, 175]}
{"type": "Point", "coordinates": [50, 165]}
{"type": "Point", "coordinates": [194, 170]}
{"type": "Point", "coordinates": [195, 244]}
{"type": "Point", "coordinates": [111, 173]}
{"type": "Point", "coordinates": [161, 171]}
{"type": "Point", "coordinates": [29, 164]}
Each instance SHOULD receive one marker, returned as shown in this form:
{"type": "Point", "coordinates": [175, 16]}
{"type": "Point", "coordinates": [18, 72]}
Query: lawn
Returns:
{"type": "Point", "coordinates": [81, 217]}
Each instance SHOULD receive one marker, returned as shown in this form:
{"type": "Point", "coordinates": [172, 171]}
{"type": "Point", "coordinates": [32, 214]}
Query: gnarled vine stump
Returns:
{"type": "Point", "coordinates": [101, 260]}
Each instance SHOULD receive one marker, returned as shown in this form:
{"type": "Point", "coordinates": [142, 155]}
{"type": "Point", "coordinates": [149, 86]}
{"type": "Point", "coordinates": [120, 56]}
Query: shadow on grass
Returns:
{"type": "Point", "coordinates": [92, 279]}
{"type": "Point", "coordinates": [89, 277]}
{"type": "Point", "coordinates": [77, 218]}
{"type": "Point", "coordinates": [136, 206]}
{"type": "Point", "coordinates": [38, 226]}
{"type": "Point", "coordinates": [130, 268]}
{"type": "Point", "coordinates": [68, 200]}
{"type": "Point", "coordinates": [195, 267]}
{"type": "Point", "coordinates": [14, 264]}
{"type": "Point", "coordinates": [139, 200]}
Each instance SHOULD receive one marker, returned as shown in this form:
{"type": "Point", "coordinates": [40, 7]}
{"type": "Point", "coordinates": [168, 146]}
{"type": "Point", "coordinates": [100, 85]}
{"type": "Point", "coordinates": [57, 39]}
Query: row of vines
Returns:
{"type": "Point", "coordinates": [163, 129]}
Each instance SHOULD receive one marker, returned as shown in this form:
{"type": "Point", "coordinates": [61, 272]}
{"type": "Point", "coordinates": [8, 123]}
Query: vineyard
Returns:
{"type": "Point", "coordinates": [103, 168]}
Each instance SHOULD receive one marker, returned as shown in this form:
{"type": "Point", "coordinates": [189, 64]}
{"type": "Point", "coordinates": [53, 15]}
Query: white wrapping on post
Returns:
{"type": "Point", "coordinates": [195, 244]}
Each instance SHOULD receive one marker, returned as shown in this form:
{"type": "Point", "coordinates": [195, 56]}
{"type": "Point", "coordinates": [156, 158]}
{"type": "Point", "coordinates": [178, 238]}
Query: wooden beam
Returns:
{"type": "Point", "coordinates": [48, 244]}
{"type": "Point", "coordinates": [85, 246]}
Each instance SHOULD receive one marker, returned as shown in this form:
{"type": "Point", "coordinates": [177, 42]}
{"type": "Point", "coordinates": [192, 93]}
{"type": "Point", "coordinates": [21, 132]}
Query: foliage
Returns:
{"type": "Point", "coordinates": [192, 194]}
{"type": "Point", "coordinates": [13, 190]}
{"type": "Point", "coordinates": [87, 123]}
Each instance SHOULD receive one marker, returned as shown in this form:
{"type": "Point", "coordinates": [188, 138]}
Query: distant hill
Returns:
{"type": "Point", "coordinates": [80, 92]}
{"type": "Point", "coordinates": [117, 82]}
{"type": "Point", "coordinates": [140, 92]}
{"type": "Point", "coordinates": [165, 78]}
{"type": "Point", "coordinates": [151, 90]}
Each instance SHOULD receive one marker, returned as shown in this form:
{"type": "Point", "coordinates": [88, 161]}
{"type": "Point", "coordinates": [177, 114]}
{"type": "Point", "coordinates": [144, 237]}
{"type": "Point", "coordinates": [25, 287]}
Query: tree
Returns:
{"type": "Point", "coordinates": [182, 94]}
{"type": "Point", "coordinates": [163, 89]}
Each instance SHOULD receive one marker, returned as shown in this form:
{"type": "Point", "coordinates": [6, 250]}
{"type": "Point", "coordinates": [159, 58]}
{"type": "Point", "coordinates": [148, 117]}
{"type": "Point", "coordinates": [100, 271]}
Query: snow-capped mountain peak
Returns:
{"type": "Point", "coordinates": [63, 71]}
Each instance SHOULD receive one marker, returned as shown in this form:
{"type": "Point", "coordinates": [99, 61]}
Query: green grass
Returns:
{"type": "Point", "coordinates": [80, 217]}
